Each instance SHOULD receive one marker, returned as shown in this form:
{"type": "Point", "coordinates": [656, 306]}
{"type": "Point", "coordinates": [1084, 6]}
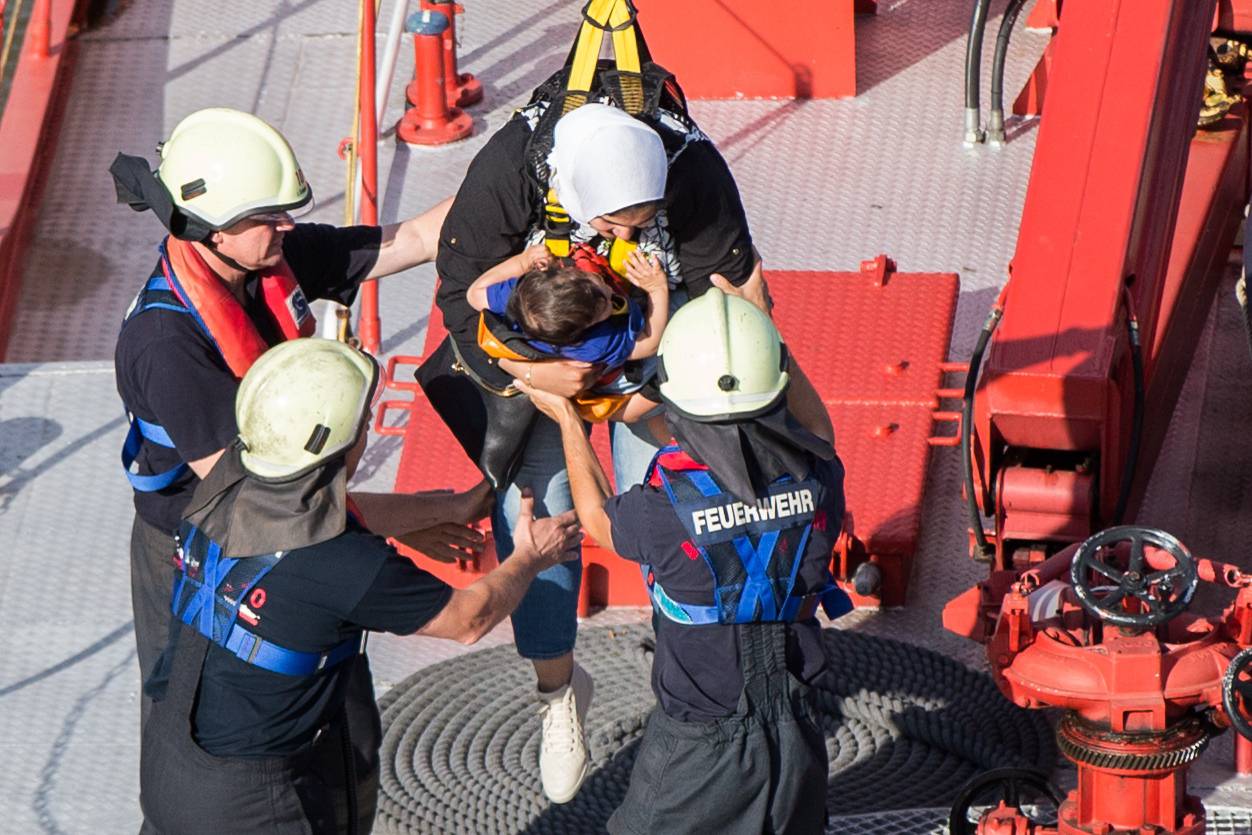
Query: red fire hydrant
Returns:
{"type": "Point", "coordinates": [462, 88]}
{"type": "Point", "coordinates": [430, 121]}
{"type": "Point", "coordinates": [1102, 630]}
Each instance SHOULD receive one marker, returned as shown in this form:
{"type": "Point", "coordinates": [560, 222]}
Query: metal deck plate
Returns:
{"type": "Point", "coordinates": [826, 184]}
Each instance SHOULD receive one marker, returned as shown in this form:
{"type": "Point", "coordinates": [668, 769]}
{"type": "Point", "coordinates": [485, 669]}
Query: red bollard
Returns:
{"type": "Point", "coordinates": [430, 121]}
{"type": "Point", "coordinates": [463, 88]}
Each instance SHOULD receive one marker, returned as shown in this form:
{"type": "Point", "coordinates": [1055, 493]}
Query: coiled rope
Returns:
{"type": "Point", "coordinates": [905, 728]}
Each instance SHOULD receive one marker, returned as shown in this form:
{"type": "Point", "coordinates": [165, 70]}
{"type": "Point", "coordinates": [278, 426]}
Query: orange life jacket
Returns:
{"type": "Point", "coordinates": [219, 313]}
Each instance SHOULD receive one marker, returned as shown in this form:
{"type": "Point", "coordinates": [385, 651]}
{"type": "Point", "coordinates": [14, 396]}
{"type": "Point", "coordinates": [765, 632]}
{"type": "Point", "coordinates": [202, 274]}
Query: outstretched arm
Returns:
{"type": "Point", "coordinates": [587, 482]}
{"type": "Point", "coordinates": [645, 272]}
{"type": "Point", "coordinates": [472, 612]}
{"type": "Point", "coordinates": [511, 267]}
{"type": "Point", "coordinates": [410, 242]}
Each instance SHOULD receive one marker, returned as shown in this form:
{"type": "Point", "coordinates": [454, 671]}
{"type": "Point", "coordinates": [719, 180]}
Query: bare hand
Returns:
{"type": "Point", "coordinates": [538, 257]}
{"type": "Point", "coordinates": [753, 290]}
{"type": "Point", "coordinates": [549, 541]}
{"type": "Point", "coordinates": [564, 377]}
{"type": "Point", "coordinates": [553, 405]}
{"type": "Point", "coordinates": [475, 503]}
{"type": "Point", "coordinates": [644, 271]}
{"type": "Point", "coordinates": [445, 542]}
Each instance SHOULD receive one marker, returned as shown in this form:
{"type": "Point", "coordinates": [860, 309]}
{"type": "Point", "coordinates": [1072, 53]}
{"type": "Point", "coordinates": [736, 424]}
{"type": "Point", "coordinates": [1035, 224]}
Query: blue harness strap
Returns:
{"type": "Point", "coordinates": [753, 578]}
{"type": "Point", "coordinates": [209, 592]}
{"type": "Point", "coordinates": [155, 295]}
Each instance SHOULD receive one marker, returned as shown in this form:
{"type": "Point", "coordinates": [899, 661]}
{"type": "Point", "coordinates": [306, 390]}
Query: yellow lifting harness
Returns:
{"type": "Point", "coordinates": [599, 16]}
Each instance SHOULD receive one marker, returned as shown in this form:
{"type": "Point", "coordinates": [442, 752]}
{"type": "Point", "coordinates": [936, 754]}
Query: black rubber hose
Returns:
{"type": "Point", "coordinates": [1136, 426]}
{"type": "Point", "coordinates": [967, 424]}
{"type": "Point", "coordinates": [973, 71]}
{"type": "Point", "coordinates": [995, 126]}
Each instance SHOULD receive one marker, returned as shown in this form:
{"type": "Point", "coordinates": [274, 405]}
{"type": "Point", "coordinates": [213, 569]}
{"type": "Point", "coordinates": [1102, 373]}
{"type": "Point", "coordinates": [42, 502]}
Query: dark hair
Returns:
{"type": "Point", "coordinates": [555, 304]}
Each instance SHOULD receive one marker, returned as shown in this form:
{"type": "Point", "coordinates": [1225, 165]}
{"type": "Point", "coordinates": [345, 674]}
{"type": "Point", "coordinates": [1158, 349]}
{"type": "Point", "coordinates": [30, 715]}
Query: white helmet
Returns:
{"type": "Point", "coordinates": [302, 403]}
{"type": "Point", "coordinates": [721, 358]}
{"type": "Point", "coordinates": [222, 165]}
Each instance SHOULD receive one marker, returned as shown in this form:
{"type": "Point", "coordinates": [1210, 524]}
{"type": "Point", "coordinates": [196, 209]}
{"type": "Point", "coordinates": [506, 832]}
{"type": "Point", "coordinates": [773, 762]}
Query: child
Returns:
{"type": "Point", "coordinates": [579, 309]}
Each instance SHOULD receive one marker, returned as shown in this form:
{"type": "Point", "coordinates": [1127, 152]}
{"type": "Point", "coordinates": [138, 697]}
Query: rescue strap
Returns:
{"type": "Point", "coordinates": [211, 605]}
{"type": "Point", "coordinates": [155, 295]}
{"type": "Point", "coordinates": [599, 16]}
{"type": "Point", "coordinates": [757, 601]}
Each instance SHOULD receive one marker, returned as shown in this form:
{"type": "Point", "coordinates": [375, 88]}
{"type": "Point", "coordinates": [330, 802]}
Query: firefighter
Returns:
{"type": "Point", "coordinates": [733, 528]}
{"type": "Point", "coordinates": [264, 717]}
{"type": "Point", "coordinates": [235, 275]}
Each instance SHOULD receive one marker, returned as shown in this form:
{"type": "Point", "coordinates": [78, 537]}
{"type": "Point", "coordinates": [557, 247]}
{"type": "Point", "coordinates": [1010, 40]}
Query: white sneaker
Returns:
{"type": "Point", "coordinates": [563, 754]}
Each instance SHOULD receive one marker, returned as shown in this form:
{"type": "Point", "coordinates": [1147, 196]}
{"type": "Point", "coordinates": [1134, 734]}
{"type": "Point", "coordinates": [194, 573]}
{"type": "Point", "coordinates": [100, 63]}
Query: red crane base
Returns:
{"type": "Point", "coordinates": [1131, 781]}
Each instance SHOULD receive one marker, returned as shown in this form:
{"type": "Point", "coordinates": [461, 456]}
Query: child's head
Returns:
{"type": "Point", "coordinates": [559, 302]}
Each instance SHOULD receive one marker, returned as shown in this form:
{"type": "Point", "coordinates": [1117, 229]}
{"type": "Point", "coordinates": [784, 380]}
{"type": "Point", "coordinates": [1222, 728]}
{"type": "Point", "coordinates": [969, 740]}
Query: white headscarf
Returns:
{"type": "Point", "coordinates": [604, 159]}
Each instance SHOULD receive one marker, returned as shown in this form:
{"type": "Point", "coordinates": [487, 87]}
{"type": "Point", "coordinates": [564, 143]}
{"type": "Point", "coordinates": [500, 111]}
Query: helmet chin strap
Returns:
{"type": "Point", "coordinates": [224, 258]}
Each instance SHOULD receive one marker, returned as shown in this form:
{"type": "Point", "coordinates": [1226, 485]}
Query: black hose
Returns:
{"type": "Point", "coordinates": [1136, 427]}
{"type": "Point", "coordinates": [967, 427]}
{"type": "Point", "coordinates": [973, 71]}
{"type": "Point", "coordinates": [995, 126]}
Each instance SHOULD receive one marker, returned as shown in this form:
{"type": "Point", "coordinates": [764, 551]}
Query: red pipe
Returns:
{"type": "Point", "coordinates": [41, 28]}
{"type": "Point", "coordinates": [367, 147]}
{"type": "Point", "coordinates": [463, 89]}
{"type": "Point", "coordinates": [430, 121]}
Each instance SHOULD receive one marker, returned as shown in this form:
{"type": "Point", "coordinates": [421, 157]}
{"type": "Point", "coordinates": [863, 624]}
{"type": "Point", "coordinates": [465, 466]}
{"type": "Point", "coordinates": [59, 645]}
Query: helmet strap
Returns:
{"type": "Point", "coordinates": [224, 258]}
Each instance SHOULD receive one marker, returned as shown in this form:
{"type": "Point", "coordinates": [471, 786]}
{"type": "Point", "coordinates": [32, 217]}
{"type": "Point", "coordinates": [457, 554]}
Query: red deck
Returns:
{"type": "Point", "coordinates": [874, 344]}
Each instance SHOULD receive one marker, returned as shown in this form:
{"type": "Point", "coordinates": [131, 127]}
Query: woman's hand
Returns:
{"type": "Point", "coordinates": [753, 290]}
{"type": "Point", "coordinates": [553, 405]}
{"type": "Point", "coordinates": [564, 377]}
{"type": "Point", "coordinates": [645, 272]}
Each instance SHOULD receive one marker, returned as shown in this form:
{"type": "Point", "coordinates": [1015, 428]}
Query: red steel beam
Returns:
{"type": "Point", "coordinates": [1101, 214]}
{"type": "Point", "coordinates": [27, 139]}
{"type": "Point", "coordinates": [367, 150]}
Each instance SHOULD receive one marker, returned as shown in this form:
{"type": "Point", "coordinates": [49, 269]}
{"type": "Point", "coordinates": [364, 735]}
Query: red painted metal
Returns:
{"type": "Point", "coordinates": [727, 49]}
{"type": "Point", "coordinates": [367, 148]}
{"type": "Point", "coordinates": [1123, 193]}
{"type": "Point", "coordinates": [1029, 101]}
{"type": "Point", "coordinates": [1234, 16]}
{"type": "Point", "coordinates": [431, 121]}
{"type": "Point", "coordinates": [876, 366]}
{"type": "Point", "coordinates": [28, 128]}
{"type": "Point", "coordinates": [462, 88]}
{"type": "Point", "coordinates": [1132, 694]}
{"type": "Point", "coordinates": [1045, 15]}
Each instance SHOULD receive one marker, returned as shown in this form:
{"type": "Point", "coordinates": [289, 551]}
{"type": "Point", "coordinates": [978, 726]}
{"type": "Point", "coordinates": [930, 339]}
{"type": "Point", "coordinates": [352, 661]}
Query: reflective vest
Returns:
{"type": "Point", "coordinates": [753, 551]}
{"type": "Point", "coordinates": [185, 284]}
{"type": "Point", "coordinates": [212, 594]}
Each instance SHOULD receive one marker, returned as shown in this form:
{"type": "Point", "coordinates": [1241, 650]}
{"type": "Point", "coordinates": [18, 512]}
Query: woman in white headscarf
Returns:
{"type": "Point", "coordinates": [656, 180]}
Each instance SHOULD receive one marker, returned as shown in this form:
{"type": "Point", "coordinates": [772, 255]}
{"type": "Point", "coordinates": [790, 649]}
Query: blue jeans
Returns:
{"type": "Point", "coordinates": [545, 624]}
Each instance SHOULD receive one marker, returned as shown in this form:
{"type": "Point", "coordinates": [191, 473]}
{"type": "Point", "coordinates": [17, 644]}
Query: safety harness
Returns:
{"type": "Point", "coordinates": [212, 593]}
{"type": "Point", "coordinates": [631, 81]}
{"type": "Point", "coordinates": [753, 551]}
{"type": "Point", "coordinates": [184, 283]}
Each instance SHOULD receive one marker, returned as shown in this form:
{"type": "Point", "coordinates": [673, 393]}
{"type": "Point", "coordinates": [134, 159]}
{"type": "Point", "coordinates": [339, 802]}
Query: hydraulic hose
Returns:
{"type": "Point", "coordinates": [1136, 426]}
{"type": "Point", "coordinates": [973, 72]}
{"type": "Point", "coordinates": [995, 125]}
{"type": "Point", "coordinates": [967, 422]}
